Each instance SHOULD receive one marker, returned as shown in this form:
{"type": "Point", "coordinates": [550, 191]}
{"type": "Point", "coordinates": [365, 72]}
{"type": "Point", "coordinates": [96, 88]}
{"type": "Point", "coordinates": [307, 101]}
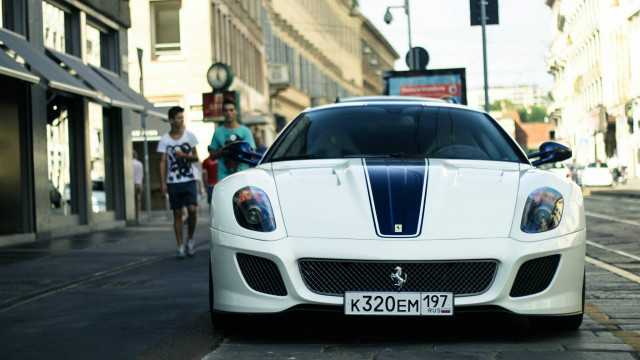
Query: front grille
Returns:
{"type": "Point", "coordinates": [334, 277]}
{"type": "Point", "coordinates": [534, 276]}
{"type": "Point", "coordinates": [261, 274]}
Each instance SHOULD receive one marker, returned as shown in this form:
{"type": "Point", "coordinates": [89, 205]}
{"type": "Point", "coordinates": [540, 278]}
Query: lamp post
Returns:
{"type": "Point", "coordinates": [388, 19]}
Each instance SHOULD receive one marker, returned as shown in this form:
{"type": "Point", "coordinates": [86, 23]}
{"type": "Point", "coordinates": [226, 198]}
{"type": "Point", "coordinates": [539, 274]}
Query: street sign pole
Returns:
{"type": "Point", "coordinates": [143, 116]}
{"type": "Point", "coordinates": [483, 15]}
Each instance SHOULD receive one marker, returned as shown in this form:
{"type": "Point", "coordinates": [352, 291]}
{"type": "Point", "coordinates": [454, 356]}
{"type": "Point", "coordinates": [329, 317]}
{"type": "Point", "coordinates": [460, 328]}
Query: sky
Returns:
{"type": "Point", "coordinates": [516, 48]}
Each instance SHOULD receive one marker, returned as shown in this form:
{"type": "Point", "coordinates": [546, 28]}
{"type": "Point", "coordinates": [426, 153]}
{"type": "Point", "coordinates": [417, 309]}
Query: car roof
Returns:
{"type": "Point", "coordinates": [387, 99]}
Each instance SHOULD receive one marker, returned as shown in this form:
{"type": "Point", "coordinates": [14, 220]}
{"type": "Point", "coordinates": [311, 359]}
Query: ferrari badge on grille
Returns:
{"type": "Point", "coordinates": [397, 277]}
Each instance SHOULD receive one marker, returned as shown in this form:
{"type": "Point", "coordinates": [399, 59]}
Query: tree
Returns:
{"type": "Point", "coordinates": [532, 114]}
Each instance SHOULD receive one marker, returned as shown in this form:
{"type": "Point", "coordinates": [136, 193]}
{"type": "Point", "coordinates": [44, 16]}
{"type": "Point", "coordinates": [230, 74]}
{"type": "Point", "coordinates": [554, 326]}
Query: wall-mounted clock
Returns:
{"type": "Point", "coordinates": [219, 76]}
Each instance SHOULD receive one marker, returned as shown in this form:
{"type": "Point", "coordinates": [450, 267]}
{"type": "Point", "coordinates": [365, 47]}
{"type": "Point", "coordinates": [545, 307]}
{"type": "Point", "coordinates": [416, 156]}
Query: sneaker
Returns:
{"type": "Point", "coordinates": [180, 254]}
{"type": "Point", "coordinates": [191, 247]}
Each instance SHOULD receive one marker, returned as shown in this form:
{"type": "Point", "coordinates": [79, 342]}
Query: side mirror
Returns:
{"type": "Point", "coordinates": [241, 152]}
{"type": "Point", "coordinates": [550, 152]}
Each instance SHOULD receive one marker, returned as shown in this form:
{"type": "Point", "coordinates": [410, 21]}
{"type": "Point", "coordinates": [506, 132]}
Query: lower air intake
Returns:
{"type": "Point", "coordinates": [534, 276]}
{"type": "Point", "coordinates": [261, 274]}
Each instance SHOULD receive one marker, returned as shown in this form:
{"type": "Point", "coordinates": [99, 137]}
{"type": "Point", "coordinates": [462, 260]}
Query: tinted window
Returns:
{"type": "Point", "coordinates": [397, 130]}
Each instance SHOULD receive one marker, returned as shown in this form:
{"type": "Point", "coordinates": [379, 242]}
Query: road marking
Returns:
{"type": "Point", "coordinates": [612, 218]}
{"type": "Point", "coordinates": [603, 265]}
{"type": "Point", "coordinates": [598, 315]}
{"type": "Point", "coordinates": [610, 249]}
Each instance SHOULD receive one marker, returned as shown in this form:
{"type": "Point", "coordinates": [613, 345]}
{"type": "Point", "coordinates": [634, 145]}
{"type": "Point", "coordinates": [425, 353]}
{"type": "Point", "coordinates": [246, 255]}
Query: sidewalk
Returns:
{"type": "Point", "coordinates": [31, 269]}
{"type": "Point", "coordinates": [630, 189]}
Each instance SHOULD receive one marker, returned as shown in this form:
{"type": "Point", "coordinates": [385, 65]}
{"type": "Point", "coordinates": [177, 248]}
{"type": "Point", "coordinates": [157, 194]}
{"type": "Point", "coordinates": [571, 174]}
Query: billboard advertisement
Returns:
{"type": "Point", "coordinates": [448, 84]}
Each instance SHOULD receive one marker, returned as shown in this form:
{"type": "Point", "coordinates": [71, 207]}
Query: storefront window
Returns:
{"type": "Point", "coordinates": [97, 152]}
{"type": "Point", "coordinates": [58, 160]}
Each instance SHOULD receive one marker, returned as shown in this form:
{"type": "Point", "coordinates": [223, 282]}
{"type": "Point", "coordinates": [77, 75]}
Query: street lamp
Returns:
{"type": "Point", "coordinates": [388, 19]}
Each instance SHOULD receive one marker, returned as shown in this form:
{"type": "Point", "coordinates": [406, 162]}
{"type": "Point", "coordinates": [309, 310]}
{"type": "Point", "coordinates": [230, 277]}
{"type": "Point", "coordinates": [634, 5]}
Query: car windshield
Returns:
{"type": "Point", "coordinates": [393, 130]}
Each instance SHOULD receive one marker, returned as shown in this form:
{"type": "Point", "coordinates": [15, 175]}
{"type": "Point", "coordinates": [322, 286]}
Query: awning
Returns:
{"type": "Point", "coordinates": [106, 92]}
{"type": "Point", "coordinates": [57, 77]}
{"type": "Point", "coordinates": [11, 68]}
{"type": "Point", "coordinates": [124, 87]}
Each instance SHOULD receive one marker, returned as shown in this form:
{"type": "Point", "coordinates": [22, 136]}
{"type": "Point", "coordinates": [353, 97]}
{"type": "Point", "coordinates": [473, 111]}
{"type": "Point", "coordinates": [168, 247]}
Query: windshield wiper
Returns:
{"type": "Point", "coordinates": [295, 157]}
{"type": "Point", "coordinates": [387, 156]}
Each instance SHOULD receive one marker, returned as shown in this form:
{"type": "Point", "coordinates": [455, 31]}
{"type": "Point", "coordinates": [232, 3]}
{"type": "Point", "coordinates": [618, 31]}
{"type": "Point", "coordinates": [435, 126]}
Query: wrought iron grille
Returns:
{"type": "Point", "coordinates": [334, 277]}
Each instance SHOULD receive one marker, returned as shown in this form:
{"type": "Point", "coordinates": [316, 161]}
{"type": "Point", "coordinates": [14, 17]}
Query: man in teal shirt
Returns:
{"type": "Point", "coordinates": [230, 132]}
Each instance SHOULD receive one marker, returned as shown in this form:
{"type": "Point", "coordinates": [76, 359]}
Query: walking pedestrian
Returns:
{"type": "Point", "coordinates": [138, 175]}
{"type": "Point", "coordinates": [179, 177]}
{"type": "Point", "coordinates": [257, 137]}
{"type": "Point", "coordinates": [210, 175]}
{"type": "Point", "coordinates": [230, 132]}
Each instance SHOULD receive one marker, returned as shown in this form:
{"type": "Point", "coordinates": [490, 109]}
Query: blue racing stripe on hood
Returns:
{"type": "Point", "coordinates": [397, 192]}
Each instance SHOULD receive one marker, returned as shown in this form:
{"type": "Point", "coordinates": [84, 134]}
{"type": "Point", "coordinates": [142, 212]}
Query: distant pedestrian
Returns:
{"type": "Point", "coordinates": [230, 132]}
{"type": "Point", "coordinates": [138, 175]}
{"type": "Point", "coordinates": [260, 147]}
{"type": "Point", "coordinates": [210, 175]}
{"type": "Point", "coordinates": [179, 176]}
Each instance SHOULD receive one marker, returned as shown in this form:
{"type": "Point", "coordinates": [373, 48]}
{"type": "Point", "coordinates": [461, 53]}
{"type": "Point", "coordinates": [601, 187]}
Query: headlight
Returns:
{"type": "Point", "coordinates": [252, 209]}
{"type": "Point", "coordinates": [542, 211]}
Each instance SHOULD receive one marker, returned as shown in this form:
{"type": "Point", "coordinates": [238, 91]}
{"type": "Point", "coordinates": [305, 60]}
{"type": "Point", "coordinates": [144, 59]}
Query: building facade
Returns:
{"type": "Point", "coordinates": [523, 95]}
{"type": "Point", "coordinates": [286, 55]}
{"type": "Point", "coordinates": [180, 40]}
{"type": "Point", "coordinates": [596, 67]}
{"type": "Point", "coordinates": [67, 113]}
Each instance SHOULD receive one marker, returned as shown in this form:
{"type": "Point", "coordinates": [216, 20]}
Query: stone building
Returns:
{"type": "Point", "coordinates": [66, 113]}
{"type": "Point", "coordinates": [595, 61]}
{"type": "Point", "coordinates": [287, 55]}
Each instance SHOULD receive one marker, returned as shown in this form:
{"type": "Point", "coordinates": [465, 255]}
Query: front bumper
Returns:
{"type": "Point", "coordinates": [563, 296]}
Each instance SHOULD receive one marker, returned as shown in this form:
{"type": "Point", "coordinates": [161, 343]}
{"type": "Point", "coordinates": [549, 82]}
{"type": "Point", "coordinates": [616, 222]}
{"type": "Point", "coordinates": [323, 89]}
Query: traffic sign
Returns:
{"type": "Point", "coordinates": [417, 58]}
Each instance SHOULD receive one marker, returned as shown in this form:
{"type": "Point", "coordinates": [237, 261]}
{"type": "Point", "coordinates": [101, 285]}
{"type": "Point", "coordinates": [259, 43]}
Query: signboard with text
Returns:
{"type": "Point", "coordinates": [438, 83]}
{"type": "Point", "coordinates": [212, 105]}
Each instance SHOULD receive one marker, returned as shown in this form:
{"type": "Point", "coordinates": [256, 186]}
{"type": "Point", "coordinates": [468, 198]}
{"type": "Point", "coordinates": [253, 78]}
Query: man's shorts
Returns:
{"type": "Point", "coordinates": [183, 194]}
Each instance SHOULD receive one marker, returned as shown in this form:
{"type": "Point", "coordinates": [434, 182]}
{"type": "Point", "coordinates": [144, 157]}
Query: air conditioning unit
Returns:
{"type": "Point", "coordinates": [278, 74]}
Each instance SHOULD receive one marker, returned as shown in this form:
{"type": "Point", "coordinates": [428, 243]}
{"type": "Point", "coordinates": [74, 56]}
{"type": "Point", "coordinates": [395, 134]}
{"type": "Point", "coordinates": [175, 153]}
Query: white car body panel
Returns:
{"type": "Point", "coordinates": [453, 229]}
{"type": "Point", "coordinates": [562, 296]}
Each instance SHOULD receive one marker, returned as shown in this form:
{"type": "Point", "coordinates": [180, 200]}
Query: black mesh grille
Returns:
{"type": "Point", "coordinates": [261, 274]}
{"type": "Point", "coordinates": [334, 277]}
{"type": "Point", "coordinates": [534, 276]}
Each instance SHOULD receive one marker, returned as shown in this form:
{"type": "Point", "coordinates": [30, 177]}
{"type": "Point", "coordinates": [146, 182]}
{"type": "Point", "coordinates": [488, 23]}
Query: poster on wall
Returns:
{"type": "Point", "coordinates": [447, 84]}
{"type": "Point", "coordinates": [212, 105]}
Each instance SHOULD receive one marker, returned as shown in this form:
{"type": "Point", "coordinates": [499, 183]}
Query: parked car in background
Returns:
{"type": "Point", "coordinates": [397, 206]}
{"type": "Point", "coordinates": [558, 168]}
{"type": "Point", "coordinates": [597, 174]}
{"type": "Point", "coordinates": [576, 173]}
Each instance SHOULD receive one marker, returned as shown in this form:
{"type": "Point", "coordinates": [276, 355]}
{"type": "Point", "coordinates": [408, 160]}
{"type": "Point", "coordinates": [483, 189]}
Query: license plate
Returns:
{"type": "Point", "coordinates": [401, 303]}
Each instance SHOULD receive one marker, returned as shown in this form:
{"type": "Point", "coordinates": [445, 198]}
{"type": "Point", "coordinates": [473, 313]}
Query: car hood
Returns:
{"type": "Point", "coordinates": [397, 198]}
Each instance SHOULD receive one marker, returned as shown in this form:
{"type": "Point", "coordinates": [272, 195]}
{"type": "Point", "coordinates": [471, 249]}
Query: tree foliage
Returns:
{"type": "Point", "coordinates": [532, 114]}
{"type": "Point", "coordinates": [529, 114]}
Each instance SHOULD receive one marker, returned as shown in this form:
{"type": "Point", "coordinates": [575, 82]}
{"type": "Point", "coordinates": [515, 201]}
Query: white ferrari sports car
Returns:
{"type": "Point", "coordinates": [397, 206]}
